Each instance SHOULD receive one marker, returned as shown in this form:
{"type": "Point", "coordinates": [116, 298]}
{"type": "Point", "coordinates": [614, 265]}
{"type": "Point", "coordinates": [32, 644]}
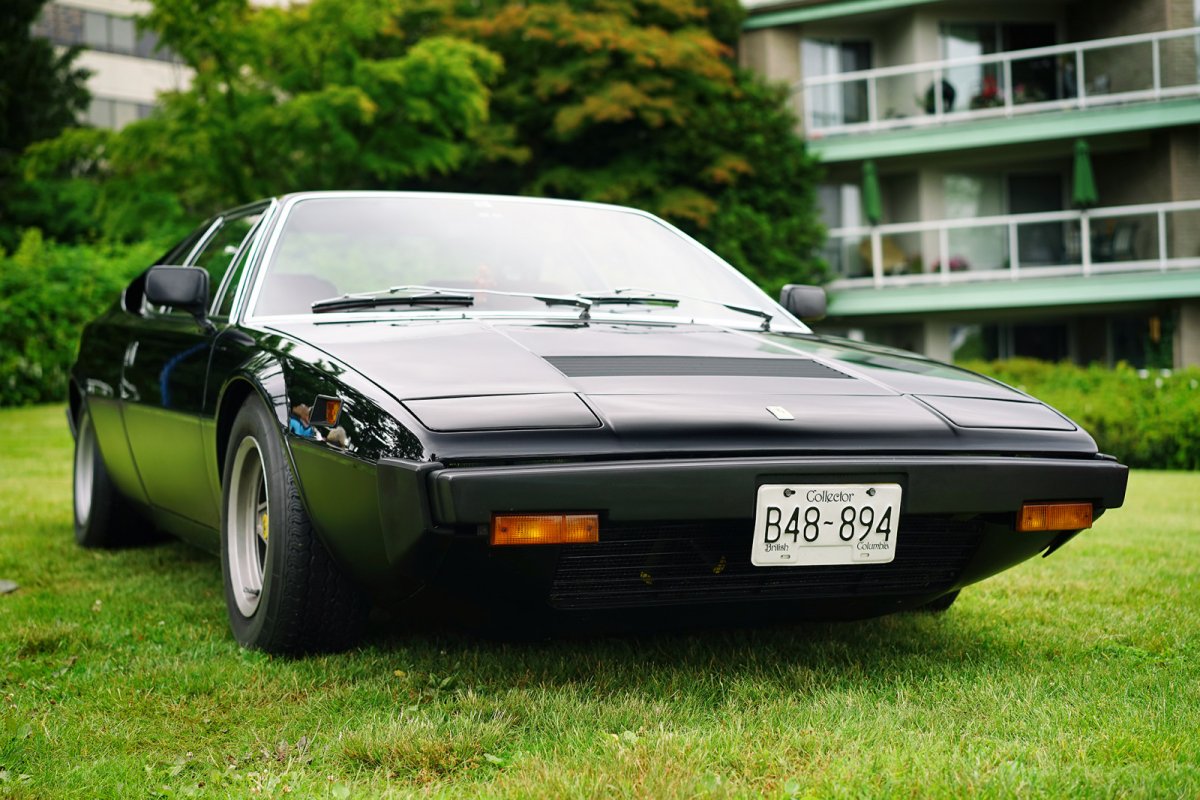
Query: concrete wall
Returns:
{"type": "Point", "coordinates": [136, 80]}
{"type": "Point", "coordinates": [773, 53]}
{"type": "Point", "coordinates": [123, 8]}
{"type": "Point", "coordinates": [1187, 335]}
{"type": "Point", "coordinates": [1183, 228]}
{"type": "Point", "coordinates": [1102, 19]}
{"type": "Point", "coordinates": [1132, 177]}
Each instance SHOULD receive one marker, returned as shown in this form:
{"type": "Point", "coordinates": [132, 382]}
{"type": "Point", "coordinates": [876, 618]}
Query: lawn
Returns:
{"type": "Point", "coordinates": [1073, 675]}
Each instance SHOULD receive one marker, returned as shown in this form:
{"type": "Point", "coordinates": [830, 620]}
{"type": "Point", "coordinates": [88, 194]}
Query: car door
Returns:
{"type": "Point", "coordinates": [166, 366]}
{"type": "Point", "coordinates": [100, 361]}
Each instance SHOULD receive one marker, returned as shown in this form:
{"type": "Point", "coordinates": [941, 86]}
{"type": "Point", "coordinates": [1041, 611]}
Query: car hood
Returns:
{"type": "Point", "coordinates": [684, 387]}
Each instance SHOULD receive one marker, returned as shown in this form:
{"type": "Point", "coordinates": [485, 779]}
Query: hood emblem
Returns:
{"type": "Point", "coordinates": [780, 412]}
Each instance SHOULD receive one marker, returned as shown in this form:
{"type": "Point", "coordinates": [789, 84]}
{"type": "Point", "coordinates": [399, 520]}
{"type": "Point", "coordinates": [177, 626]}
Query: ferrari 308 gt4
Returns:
{"type": "Point", "coordinates": [559, 409]}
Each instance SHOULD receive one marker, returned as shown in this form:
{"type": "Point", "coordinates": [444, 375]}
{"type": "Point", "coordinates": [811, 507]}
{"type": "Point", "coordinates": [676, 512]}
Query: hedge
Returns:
{"type": "Point", "coordinates": [47, 293]}
{"type": "Point", "coordinates": [1144, 418]}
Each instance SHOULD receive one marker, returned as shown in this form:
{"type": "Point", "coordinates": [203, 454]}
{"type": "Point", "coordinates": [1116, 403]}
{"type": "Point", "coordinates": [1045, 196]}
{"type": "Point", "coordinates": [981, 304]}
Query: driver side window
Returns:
{"type": "Point", "coordinates": [223, 246]}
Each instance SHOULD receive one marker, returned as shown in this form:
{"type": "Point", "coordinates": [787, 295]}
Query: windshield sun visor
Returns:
{"type": "Point", "coordinates": [509, 412]}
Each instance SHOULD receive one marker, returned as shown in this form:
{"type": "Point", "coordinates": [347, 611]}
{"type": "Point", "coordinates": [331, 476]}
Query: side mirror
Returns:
{"type": "Point", "coordinates": [806, 303]}
{"type": "Point", "coordinates": [182, 288]}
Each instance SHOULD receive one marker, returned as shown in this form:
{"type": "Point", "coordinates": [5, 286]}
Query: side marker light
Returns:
{"type": "Point", "coordinates": [545, 529]}
{"type": "Point", "coordinates": [1055, 517]}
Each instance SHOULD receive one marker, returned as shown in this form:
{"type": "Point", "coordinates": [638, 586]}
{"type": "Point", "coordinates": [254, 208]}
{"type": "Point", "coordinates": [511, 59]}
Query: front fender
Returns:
{"type": "Point", "coordinates": [336, 478]}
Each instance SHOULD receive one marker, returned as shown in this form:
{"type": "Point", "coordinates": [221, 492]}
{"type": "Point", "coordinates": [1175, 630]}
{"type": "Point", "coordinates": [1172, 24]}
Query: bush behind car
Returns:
{"type": "Point", "coordinates": [47, 292]}
{"type": "Point", "coordinates": [1146, 418]}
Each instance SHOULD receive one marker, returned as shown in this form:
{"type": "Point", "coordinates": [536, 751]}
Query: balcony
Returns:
{"type": "Point", "coordinates": [1141, 238]}
{"type": "Point", "coordinates": [1084, 75]}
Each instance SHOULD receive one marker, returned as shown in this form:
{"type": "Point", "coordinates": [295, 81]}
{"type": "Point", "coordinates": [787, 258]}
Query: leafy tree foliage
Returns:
{"type": "Point", "coordinates": [48, 292]}
{"type": "Point", "coordinates": [282, 99]}
{"type": "Point", "coordinates": [41, 92]}
{"type": "Point", "coordinates": [639, 102]}
{"type": "Point", "coordinates": [627, 101]}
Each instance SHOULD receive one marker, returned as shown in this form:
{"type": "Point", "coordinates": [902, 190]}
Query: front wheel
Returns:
{"type": "Point", "coordinates": [283, 591]}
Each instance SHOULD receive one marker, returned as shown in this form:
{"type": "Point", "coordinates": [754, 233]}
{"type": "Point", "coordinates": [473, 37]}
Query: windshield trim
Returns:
{"type": "Point", "coordinates": [288, 202]}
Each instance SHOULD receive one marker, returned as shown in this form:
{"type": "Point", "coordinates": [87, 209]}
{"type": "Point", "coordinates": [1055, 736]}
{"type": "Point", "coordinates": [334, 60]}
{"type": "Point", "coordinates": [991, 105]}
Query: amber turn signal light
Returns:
{"type": "Point", "coordinates": [1055, 517]}
{"type": "Point", "coordinates": [333, 408]}
{"type": "Point", "coordinates": [545, 528]}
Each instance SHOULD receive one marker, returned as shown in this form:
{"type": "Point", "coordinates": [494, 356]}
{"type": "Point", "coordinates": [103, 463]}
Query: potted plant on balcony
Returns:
{"type": "Point", "coordinates": [1025, 93]}
{"type": "Point", "coordinates": [957, 264]}
{"type": "Point", "coordinates": [989, 94]}
{"type": "Point", "coordinates": [948, 95]}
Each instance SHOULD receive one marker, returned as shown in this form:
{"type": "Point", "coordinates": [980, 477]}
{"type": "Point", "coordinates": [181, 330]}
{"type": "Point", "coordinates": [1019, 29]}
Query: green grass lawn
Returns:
{"type": "Point", "coordinates": [1078, 674]}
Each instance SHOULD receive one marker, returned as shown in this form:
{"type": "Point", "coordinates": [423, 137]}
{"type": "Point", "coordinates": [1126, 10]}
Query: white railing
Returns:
{"type": "Point", "coordinates": [1123, 69]}
{"type": "Point", "coordinates": [1156, 236]}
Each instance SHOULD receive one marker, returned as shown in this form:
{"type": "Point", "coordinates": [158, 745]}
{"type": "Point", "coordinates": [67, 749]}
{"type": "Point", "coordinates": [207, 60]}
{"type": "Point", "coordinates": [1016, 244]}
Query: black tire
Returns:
{"type": "Point", "coordinates": [103, 518]}
{"type": "Point", "coordinates": [941, 604]}
{"type": "Point", "coordinates": [304, 603]}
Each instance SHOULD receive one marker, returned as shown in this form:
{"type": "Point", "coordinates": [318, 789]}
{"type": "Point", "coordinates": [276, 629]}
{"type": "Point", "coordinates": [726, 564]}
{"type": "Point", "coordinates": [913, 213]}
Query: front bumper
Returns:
{"type": "Point", "coordinates": [676, 532]}
{"type": "Point", "coordinates": [726, 488]}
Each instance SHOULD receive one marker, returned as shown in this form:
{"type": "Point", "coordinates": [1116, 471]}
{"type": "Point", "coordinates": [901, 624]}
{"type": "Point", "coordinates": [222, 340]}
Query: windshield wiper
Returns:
{"type": "Point", "coordinates": [634, 296]}
{"type": "Point", "coordinates": [352, 302]}
{"type": "Point", "coordinates": [617, 299]}
{"type": "Point", "coordinates": [548, 299]}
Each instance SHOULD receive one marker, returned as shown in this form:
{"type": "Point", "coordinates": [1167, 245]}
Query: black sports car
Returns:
{"type": "Point", "coordinates": [551, 407]}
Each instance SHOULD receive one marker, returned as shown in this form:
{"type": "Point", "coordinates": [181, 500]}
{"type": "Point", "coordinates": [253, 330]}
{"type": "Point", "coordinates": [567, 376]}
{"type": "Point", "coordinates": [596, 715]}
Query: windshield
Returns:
{"type": "Point", "coordinates": [330, 247]}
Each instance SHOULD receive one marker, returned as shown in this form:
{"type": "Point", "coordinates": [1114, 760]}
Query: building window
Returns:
{"type": "Point", "coordinates": [108, 112]}
{"type": "Point", "coordinates": [839, 104]}
{"type": "Point", "coordinates": [68, 26]}
{"type": "Point", "coordinates": [1040, 244]}
{"type": "Point", "coordinates": [1045, 341]}
{"type": "Point", "coordinates": [841, 207]}
{"type": "Point", "coordinates": [1034, 80]}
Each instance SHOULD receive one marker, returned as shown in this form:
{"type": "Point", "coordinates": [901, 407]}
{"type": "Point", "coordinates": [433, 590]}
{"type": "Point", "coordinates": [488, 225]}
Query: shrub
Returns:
{"type": "Point", "coordinates": [47, 293]}
{"type": "Point", "coordinates": [1145, 418]}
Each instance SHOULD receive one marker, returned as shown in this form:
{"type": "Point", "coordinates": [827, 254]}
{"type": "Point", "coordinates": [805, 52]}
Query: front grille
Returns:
{"type": "Point", "coordinates": [651, 564]}
{"type": "Point", "coordinates": [691, 366]}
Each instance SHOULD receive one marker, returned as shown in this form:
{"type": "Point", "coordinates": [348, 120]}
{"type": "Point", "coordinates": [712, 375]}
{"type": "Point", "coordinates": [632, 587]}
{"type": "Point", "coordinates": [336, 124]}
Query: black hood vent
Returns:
{"type": "Point", "coordinates": [676, 366]}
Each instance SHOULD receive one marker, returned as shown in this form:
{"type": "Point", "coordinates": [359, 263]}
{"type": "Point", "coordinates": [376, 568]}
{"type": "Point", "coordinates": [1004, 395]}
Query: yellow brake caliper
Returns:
{"type": "Point", "coordinates": [263, 532]}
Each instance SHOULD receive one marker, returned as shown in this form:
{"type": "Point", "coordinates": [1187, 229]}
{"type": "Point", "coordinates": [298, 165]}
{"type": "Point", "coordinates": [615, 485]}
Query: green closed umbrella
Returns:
{"type": "Point", "coordinates": [1084, 194]}
{"type": "Point", "coordinates": [872, 195]}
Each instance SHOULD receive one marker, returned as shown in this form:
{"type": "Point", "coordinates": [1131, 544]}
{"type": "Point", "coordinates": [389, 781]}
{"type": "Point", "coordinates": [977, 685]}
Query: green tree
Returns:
{"type": "Point", "coordinates": [639, 102]}
{"type": "Point", "coordinates": [315, 96]}
{"type": "Point", "coordinates": [627, 101]}
{"type": "Point", "coordinates": [41, 93]}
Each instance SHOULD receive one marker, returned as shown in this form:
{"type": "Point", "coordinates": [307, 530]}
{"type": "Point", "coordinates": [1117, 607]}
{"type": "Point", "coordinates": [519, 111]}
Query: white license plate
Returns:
{"type": "Point", "coordinates": [804, 525]}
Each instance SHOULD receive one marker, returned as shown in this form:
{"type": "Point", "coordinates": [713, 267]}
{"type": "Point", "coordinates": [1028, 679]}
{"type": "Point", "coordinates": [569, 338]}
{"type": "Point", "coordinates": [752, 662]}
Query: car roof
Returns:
{"type": "Point", "coordinates": [365, 193]}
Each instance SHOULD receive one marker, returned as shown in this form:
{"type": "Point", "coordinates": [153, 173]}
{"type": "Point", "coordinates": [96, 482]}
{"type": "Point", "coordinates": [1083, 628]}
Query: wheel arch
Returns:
{"type": "Point", "coordinates": [74, 405]}
{"type": "Point", "coordinates": [234, 394]}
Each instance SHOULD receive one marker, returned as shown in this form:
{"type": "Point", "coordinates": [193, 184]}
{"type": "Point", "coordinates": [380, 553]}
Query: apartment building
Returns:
{"type": "Point", "coordinates": [128, 68]}
{"type": "Point", "coordinates": [1002, 178]}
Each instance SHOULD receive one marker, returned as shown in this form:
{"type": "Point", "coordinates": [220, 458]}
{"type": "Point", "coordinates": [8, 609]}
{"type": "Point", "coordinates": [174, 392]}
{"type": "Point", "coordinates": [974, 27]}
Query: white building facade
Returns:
{"type": "Point", "coordinates": [128, 68]}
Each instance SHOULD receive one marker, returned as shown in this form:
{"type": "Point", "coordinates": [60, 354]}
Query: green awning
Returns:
{"type": "Point", "coordinates": [1084, 194]}
{"type": "Point", "coordinates": [1021, 129]}
{"type": "Point", "coordinates": [761, 16]}
{"type": "Point", "coordinates": [872, 194]}
{"type": "Point", "coordinates": [1029, 292]}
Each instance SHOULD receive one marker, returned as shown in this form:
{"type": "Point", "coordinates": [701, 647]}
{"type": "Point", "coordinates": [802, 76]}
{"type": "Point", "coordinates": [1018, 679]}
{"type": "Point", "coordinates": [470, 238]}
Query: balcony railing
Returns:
{"type": "Point", "coordinates": [1123, 69]}
{"type": "Point", "coordinates": [1154, 237]}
